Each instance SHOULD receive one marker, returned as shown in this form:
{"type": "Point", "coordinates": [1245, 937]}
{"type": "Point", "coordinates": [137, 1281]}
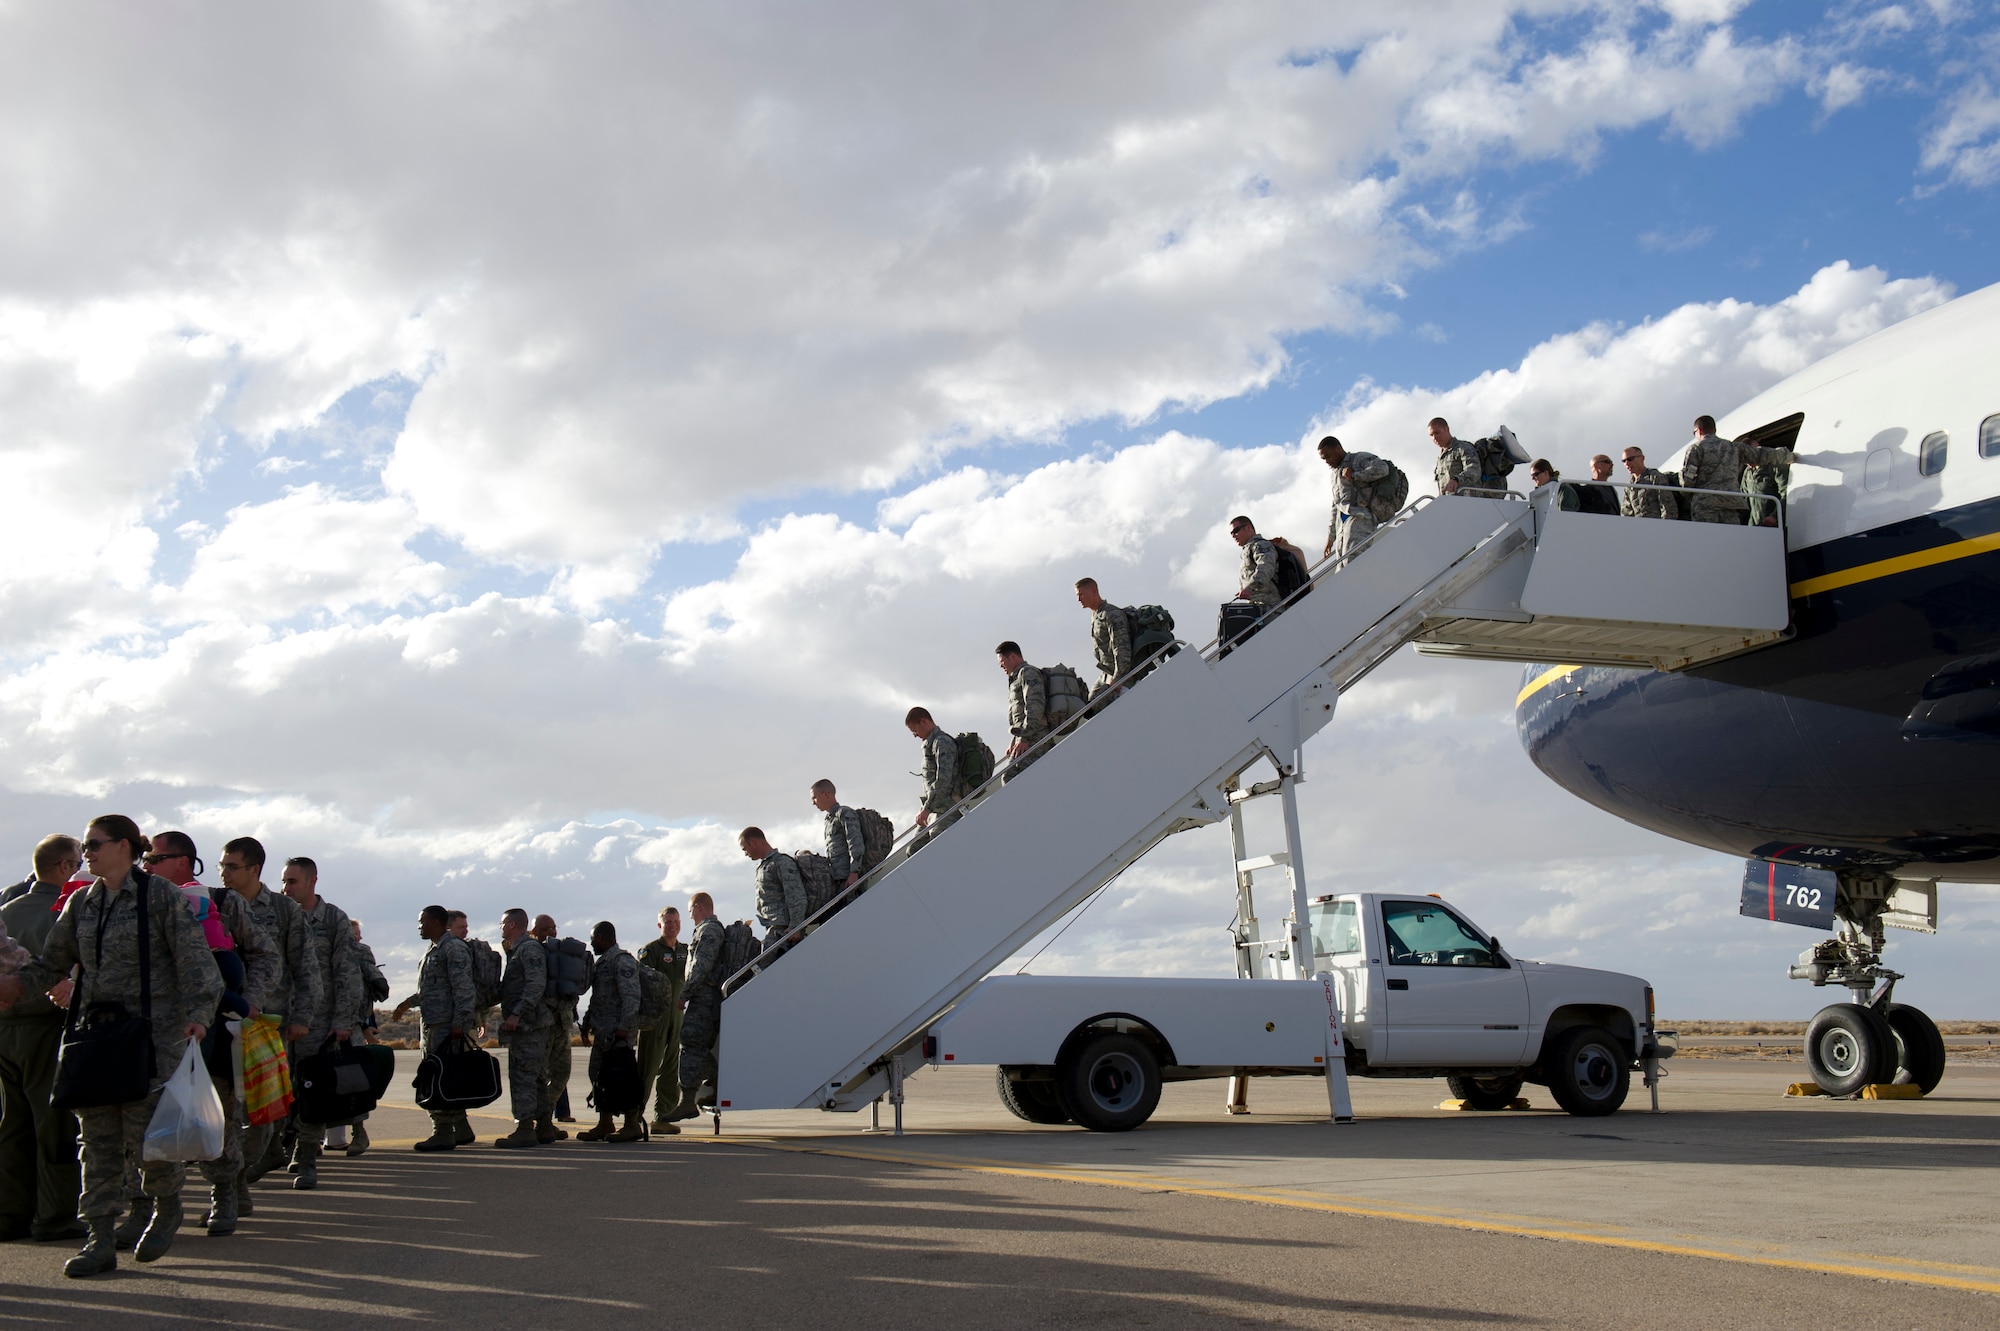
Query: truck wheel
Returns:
{"type": "Point", "coordinates": [1849, 1046]}
{"type": "Point", "coordinates": [1486, 1092]}
{"type": "Point", "coordinates": [1919, 1047]}
{"type": "Point", "coordinates": [1032, 1101]}
{"type": "Point", "coordinates": [1589, 1071]}
{"type": "Point", "coordinates": [1109, 1083]}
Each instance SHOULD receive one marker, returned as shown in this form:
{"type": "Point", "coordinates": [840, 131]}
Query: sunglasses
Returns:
{"type": "Point", "coordinates": [157, 856]}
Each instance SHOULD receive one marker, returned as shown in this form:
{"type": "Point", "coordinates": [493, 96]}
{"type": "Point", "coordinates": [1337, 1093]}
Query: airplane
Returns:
{"type": "Point", "coordinates": [1856, 762]}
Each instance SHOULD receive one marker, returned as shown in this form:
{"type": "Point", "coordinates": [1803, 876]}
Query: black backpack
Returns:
{"type": "Point", "coordinates": [1292, 573]}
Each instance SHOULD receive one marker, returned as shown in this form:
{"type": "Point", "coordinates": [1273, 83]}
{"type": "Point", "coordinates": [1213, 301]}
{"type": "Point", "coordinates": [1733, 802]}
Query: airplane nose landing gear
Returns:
{"type": "Point", "coordinates": [1871, 1040]}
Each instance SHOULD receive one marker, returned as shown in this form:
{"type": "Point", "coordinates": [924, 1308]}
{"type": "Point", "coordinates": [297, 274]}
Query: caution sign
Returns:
{"type": "Point", "coordinates": [1788, 893]}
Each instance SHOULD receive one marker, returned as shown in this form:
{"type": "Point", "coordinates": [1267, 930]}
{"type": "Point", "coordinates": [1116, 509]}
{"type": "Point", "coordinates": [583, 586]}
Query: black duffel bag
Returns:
{"type": "Point", "coordinates": [618, 1089]}
{"type": "Point", "coordinates": [342, 1082]}
{"type": "Point", "coordinates": [108, 1058]}
{"type": "Point", "coordinates": [457, 1076]}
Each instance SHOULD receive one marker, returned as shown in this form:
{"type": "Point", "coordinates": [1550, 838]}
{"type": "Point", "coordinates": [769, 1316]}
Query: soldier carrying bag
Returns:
{"type": "Point", "coordinates": [342, 1082]}
{"type": "Point", "coordinates": [108, 1058]}
{"type": "Point", "coordinates": [619, 1089]}
{"type": "Point", "coordinates": [656, 998]}
{"type": "Point", "coordinates": [878, 838]}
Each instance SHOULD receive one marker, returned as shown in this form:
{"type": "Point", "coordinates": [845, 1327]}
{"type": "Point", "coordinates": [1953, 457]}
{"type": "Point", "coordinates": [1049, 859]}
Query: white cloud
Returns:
{"type": "Point", "coordinates": [1965, 146]}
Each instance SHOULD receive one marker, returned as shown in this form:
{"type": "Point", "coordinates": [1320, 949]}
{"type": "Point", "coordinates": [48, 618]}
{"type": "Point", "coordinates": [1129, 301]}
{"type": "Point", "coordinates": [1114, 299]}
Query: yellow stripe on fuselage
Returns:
{"type": "Point", "coordinates": [1547, 677]}
{"type": "Point", "coordinates": [1882, 568]}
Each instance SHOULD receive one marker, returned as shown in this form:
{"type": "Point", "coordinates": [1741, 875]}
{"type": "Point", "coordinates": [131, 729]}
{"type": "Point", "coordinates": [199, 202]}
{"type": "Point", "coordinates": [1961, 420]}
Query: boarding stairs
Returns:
{"type": "Point", "coordinates": [832, 1021]}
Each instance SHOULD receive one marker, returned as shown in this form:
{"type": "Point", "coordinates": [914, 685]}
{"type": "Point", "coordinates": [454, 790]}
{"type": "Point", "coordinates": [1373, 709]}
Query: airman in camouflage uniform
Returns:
{"type": "Point", "coordinates": [1355, 475]}
{"type": "Point", "coordinates": [446, 1000]}
{"type": "Point", "coordinates": [99, 931]}
{"type": "Point", "coordinates": [1257, 575]}
{"type": "Point", "coordinates": [525, 1027]}
{"type": "Point", "coordinates": [1459, 470]}
{"type": "Point", "coordinates": [1110, 642]}
{"type": "Point", "coordinates": [701, 1005]}
{"type": "Point", "coordinates": [1027, 707]}
{"type": "Point", "coordinates": [612, 1022]}
{"type": "Point", "coordinates": [1640, 499]}
{"type": "Point", "coordinates": [840, 829]}
{"type": "Point", "coordinates": [660, 1048]}
{"type": "Point", "coordinates": [295, 995]}
{"type": "Point", "coordinates": [1766, 483]}
{"type": "Point", "coordinates": [562, 1029]}
{"type": "Point", "coordinates": [782, 903]}
{"type": "Point", "coordinates": [262, 971]}
{"type": "Point", "coordinates": [1715, 465]}
{"type": "Point", "coordinates": [940, 775]}
{"type": "Point", "coordinates": [39, 1182]}
{"type": "Point", "coordinates": [338, 1016]}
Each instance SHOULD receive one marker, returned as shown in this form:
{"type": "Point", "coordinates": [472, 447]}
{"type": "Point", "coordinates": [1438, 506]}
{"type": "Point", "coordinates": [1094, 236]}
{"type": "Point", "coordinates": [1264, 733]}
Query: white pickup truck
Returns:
{"type": "Point", "coordinates": [1422, 992]}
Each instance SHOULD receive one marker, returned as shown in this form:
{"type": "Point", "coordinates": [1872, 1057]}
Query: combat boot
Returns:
{"type": "Point", "coordinates": [663, 1127]}
{"type": "Point", "coordinates": [244, 1206]}
{"type": "Point", "coordinates": [100, 1254]}
{"type": "Point", "coordinates": [633, 1131]}
{"type": "Point", "coordinates": [602, 1132]}
{"type": "Point", "coordinates": [546, 1131]}
{"type": "Point", "coordinates": [358, 1142]}
{"type": "Point", "coordinates": [135, 1223]}
{"type": "Point", "coordinates": [273, 1156]}
{"type": "Point", "coordinates": [522, 1135]}
{"type": "Point", "coordinates": [159, 1235]}
{"type": "Point", "coordinates": [308, 1175]}
{"type": "Point", "coordinates": [221, 1217]}
{"type": "Point", "coordinates": [686, 1109]}
{"type": "Point", "coordinates": [442, 1138]}
{"type": "Point", "coordinates": [461, 1131]}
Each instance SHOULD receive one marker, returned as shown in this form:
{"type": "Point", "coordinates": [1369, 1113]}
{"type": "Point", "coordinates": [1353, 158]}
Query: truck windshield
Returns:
{"type": "Point", "coordinates": [1336, 929]}
{"type": "Point", "coordinates": [1423, 933]}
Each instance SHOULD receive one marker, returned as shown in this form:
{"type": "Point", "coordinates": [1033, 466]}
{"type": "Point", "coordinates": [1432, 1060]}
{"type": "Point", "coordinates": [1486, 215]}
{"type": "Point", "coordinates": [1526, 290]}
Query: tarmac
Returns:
{"type": "Point", "coordinates": [1737, 1207]}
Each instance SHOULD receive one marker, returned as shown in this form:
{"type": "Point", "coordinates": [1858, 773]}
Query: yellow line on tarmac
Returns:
{"type": "Point", "coordinates": [1867, 1268]}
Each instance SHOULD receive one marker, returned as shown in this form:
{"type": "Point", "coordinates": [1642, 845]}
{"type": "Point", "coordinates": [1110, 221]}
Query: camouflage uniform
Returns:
{"type": "Point", "coordinates": [1353, 520]}
{"type": "Point", "coordinates": [1111, 643]}
{"type": "Point", "coordinates": [445, 999]}
{"type": "Point", "coordinates": [295, 996]}
{"type": "Point", "coordinates": [522, 985]}
{"type": "Point", "coordinates": [1767, 484]}
{"type": "Point", "coordinates": [1640, 500]}
{"type": "Point", "coordinates": [660, 1048]}
{"type": "Point", "coordinates": [332, 960]}
{"type": "Point", "coordinates": [701, 1021]}
{"type": "Point", "coordinates": [1027, 714]}
{"type": "Point", "coordinates": [99, 930]}
{"type": "Point", "coordinates": [614, 1005]}
{"type": "Point", "coordinates": [1459, 461]}
{"type": "Point", "coordinates": [845, 850]}
{"type": "Point", "coordinates": [262, 971]}
{"type": "Point", "coordinates": [38, 1171]}
{"type": "Point", "coordinates": [1715, 465]}
{"type": "Point", "coordinates": [782, 904]}
{"type": "Point", "coordinates": [1258, 575]}
{"type": "Point", "coordinates": [555, 1071]}
{"type": "Point", "coordinates": [373, 983]}
{"type": "Point", "coordinates": [940, 785]}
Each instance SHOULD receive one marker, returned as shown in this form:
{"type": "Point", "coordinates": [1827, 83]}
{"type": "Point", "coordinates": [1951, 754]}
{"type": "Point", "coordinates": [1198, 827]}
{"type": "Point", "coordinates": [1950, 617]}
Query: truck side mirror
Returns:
{"type": "Point", "coordinates": [1494, 943]}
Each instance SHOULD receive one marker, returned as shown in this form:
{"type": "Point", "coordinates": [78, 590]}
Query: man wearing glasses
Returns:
{"type": "Point", "coordinates": [1640, 501]}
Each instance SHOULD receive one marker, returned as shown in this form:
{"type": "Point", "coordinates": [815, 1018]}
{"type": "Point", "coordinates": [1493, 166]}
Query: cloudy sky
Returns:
{"type": "Point", "coordinates": [501, 449]}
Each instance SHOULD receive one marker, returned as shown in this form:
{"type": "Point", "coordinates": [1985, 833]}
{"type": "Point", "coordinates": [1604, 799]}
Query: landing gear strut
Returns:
{"type": "Point", "coordinates": [1871, 1040]}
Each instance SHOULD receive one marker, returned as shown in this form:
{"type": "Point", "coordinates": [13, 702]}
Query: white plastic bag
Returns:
{"type": "Point", "coordinates": [187, 1125]}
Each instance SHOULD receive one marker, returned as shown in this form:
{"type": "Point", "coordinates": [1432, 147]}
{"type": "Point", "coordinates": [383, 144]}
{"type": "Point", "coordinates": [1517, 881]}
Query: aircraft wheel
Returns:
{"type": "Point", "coordinates": [1849, 1046]}
{"type": "Point", "coordinates": [1919, 1047]}
{"type": "Point", "coordinates": [1032, 1101]}
{"type": "Point", "coordinates": [1589, 1071]}
{"type": "Point", "coordinates": [1109, 1083]}
{"type": "Point", "coordinates": [1486, 1092]}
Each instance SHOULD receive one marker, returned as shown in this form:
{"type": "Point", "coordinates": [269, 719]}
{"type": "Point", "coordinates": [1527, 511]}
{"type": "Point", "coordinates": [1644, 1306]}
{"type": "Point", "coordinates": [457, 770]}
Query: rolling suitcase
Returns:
{"type": "Point", "coordinates": [457, 1076]}
{"type": "Point", "coordinates": [1238, 620]}
{"type": "Point", "coordinates": [342, 1082]}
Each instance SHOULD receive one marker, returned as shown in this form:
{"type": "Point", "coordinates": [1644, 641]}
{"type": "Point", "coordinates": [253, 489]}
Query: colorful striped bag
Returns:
{"type": "Point", "coordinates": [263, 1080]}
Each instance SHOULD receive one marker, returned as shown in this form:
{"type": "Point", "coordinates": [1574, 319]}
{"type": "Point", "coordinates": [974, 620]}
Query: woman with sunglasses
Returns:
{"type": "Point", "coordinates": [99, 931]}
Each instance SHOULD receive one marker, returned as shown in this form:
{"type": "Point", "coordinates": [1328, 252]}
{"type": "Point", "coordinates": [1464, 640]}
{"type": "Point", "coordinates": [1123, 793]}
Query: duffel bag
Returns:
{"type": "Point", "coordinates": [108, 1058]}
{"type": "Point", "coordinates": [618, 1089]}
{"type": "Point", "coordinates": [342, 1082]}
{"type": "Point", "coordinates": [457, 1076]}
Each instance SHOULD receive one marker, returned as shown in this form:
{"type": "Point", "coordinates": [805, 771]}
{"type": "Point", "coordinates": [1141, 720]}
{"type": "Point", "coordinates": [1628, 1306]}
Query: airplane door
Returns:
{"type": "Point", "coordinates": [1452, 1000]}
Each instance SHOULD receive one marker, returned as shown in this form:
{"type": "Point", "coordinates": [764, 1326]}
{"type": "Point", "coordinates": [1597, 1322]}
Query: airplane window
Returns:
{"type": "Point", "coordinates": [1426, 934]}
{"type": "Point", "coordinates": [1989, 437]}
{"type": "Point", "coordinates": [1336, 928]}
{"type": "Point", "coordinates": [1930, 454]}
{"type": "Point", "coordinates": [1875, 473]}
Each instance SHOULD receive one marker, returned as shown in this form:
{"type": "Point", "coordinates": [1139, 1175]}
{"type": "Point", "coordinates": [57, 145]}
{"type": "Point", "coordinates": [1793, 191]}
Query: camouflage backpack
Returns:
{"type": "Point", "coordinates": [571, 967]}
{"type": "Point", "coordinates": [1066, 693]}
{"type": "Point", "coordinates": [816, 872]}
{"type": "Point", "coordinates": [975, 764]}
{"type": "Point", "coordinates": [486, 972]}
{"type": "Point", "coordinates": [1388, 495]}
{"type": "Point", "coordinates": [878, 838]}
{"type": "Point", "coordinates": [740, 947]}
{"type": "Point", "coordinates": [1152, 629]}
{"type": "Point", "coordinates": [656, 998]}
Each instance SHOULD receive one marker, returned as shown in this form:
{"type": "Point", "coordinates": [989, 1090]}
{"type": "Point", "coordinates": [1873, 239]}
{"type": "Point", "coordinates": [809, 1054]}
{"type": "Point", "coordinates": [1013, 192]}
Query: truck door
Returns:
{"type": "Point", "coordinates": [1452, 1000]}
{"type": "Point", "coordinates": [1336, 933]}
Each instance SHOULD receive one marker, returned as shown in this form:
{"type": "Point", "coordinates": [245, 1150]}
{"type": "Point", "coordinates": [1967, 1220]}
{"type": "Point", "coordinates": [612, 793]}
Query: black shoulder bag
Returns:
{"type": "Point", "coordinates": [107, 1058]}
